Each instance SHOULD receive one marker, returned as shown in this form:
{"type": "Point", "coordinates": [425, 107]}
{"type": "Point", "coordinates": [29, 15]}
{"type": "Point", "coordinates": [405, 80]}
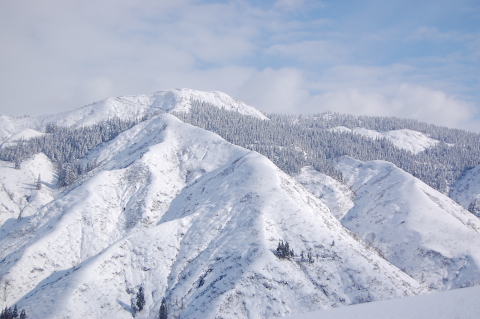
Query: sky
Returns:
{"type": "Point", "coordinates": [412, 59]}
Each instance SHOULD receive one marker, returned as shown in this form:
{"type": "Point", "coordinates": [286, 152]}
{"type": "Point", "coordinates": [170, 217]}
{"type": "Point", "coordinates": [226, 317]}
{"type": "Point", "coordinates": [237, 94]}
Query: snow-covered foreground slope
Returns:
{"type": "Point", "coordinates": [193, 219]}
{"type": "Point", "coordinates": [455, 304]}
{"type": "Point", "coordinates": [421, 231]}
{"type": "Point", "coordinates": [126, 107]}
{"type": "Point", "coordinates": [466, 191]}
{"type": "Point", "coordinates": [409, 140]}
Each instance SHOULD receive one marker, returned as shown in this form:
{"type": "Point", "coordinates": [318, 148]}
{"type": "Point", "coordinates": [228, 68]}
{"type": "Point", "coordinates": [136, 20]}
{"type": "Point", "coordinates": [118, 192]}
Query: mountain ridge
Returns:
{"type": "Point", "coordinates": [221, 211]}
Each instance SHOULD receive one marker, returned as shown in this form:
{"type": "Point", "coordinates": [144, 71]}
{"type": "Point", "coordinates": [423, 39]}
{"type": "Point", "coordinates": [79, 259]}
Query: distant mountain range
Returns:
{"type": "Point", "coordinates": [181, 204]}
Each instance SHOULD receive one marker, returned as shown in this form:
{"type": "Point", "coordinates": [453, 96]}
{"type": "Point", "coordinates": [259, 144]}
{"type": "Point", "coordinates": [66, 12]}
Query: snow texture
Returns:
{"type": "Point", "coordinates": [337, 196]}
{"type": "Point", "coordinates": [192, 218]}
{"type": "Point", "coordinates": [406, 139]}
{"type": "Point", "coordinates": [454, 304]}
{"type": "Point", "coordinates": [19, 198]}
{"type": "Point", "coordinates": [418, 229]}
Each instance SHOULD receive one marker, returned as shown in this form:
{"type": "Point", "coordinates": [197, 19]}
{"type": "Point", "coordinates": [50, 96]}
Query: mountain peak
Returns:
{"type": "Point", "coordinates": [127, 107]}
{"type": "Point", "coordinates": [180, 100]}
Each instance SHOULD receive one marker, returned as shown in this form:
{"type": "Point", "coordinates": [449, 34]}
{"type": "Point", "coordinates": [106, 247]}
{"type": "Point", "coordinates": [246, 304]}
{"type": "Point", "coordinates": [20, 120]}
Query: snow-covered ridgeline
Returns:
{"type": "Point", "coordinates": [126, 107]}
{"type": "Point", "coordinates": [190, 217]}
{"type": "Point", "coordinates": [406, 139]}
{"type": "Point", "coordinates": [419, 230]}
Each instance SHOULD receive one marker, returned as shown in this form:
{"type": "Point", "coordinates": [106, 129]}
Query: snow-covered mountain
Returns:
{"type": "Point", "coordinates": [197, 222]}
{"type": "Point", "coordinates": [189, 217]}
{"type": "Point", "coordinates": [126, 107]}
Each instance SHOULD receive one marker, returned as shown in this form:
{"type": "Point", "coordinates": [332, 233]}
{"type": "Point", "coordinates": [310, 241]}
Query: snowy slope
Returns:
{"type": "Point", "coordinates": [126, 107]}
{"type": "Point", "coordinates": [192, 218]}
{"type": "Point", "coordinates": [459, 303]}
{"type": "Point", "coordinates": [466, 191]}
{"type": "Point", "coordinates": [406, 139]}
{"type": "Point", "coordinates": [24, 134]}
{"type": "Point", "coordinates": [421, 231]}
{"type": "Point", "coordinates": [18, 196]}
{"type": "Point", "coordinates": [337, 196]}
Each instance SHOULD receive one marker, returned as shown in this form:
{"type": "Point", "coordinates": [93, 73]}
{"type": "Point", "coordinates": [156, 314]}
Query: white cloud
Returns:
{"type": "Point", "coordinates": [270, 90]}
{"type": "Point", "coordinates": [404, 100]}
{"type": "Point", "coordinates": [359, 90]}
{"type": "Point", "coordinates": [63, 54]}
{"type": "Point", "coordinates": [57, 55]}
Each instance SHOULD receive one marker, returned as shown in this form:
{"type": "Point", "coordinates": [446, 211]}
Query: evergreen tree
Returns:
{"type": "Point", "coordinates": [133, 307]}
{"type": "Point", "coordinates": [23, 314]}
{"type": "Point", "coordinates": [140, 299]}
{"type": "Point", "coordinates": [38, 183]}
{"type": "Point", "coordinates": [163, 314]}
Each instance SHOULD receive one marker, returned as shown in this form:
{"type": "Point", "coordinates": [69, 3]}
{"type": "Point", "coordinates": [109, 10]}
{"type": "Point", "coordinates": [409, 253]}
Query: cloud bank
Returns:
{"type": "Point", "coordinates": [289, 56]}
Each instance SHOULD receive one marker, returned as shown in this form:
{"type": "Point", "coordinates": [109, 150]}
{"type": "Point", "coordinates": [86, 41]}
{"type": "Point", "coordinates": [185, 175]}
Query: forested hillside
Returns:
{"type": "Point", "coordinates": [290, 141]}
{"type": "Point", "coordinates": [295, 141]}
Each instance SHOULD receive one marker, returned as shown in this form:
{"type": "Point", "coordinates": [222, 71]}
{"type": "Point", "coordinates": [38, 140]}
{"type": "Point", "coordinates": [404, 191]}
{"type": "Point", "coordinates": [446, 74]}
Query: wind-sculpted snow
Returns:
{"type": "Point", "coordinates": [466, 191]}
{"type": "Point", "coordinates": [193, 219]}
{"type": "Point", "coordinates": [419, 230]}
{"type": "Point", "coordinates": [127, 107]}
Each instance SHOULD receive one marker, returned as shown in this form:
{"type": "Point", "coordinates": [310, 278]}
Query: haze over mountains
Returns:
{"type": "Point", "coordinates": [197, 221]}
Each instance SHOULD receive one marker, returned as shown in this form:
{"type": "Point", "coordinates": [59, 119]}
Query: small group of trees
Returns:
{"type": "Point", "coordinates": [283, 250]}
{"type": "Point", "coordinates": [308, 257]}
{"type": "Point", "coordinates": [138, 304]}
{"type": "Point", "coordinates": [9, 313]}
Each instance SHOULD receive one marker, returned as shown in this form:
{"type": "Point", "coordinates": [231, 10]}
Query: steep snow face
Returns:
{"type": "Point", "coordinates": [409, 140]}
{"type": "Point", "coordinates": [337, 196]}
{"type": "Point", "coordinates": [466, 191]}
{"type": "Point", "coordinates": [127, 107]}
{"type": "Point", "coordinates": [421, 231]}
{"type": "Point", "coordinates": [192, 218]}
